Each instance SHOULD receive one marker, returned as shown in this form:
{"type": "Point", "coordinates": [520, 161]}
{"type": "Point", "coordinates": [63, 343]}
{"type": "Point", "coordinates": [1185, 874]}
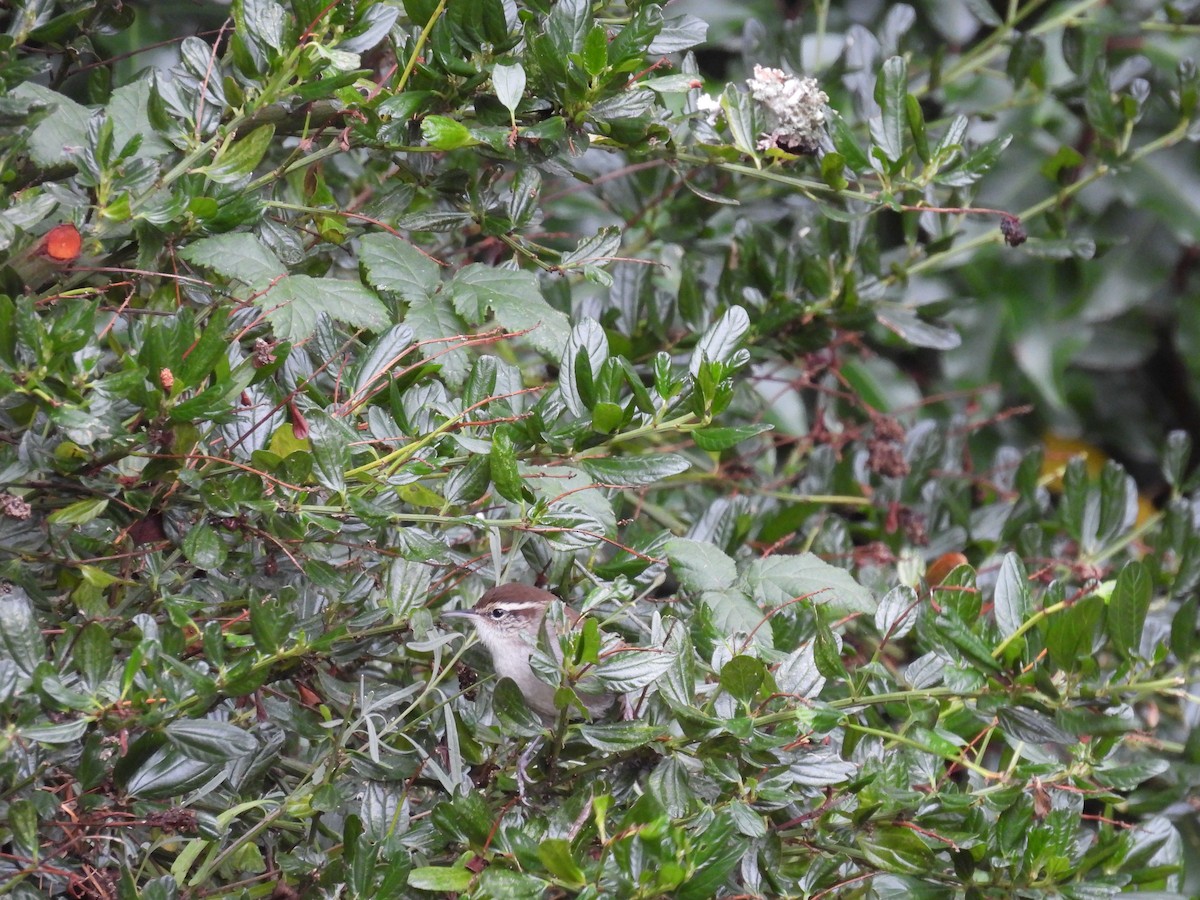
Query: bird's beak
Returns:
{"type": "Point", "coordinates": [457, 614]}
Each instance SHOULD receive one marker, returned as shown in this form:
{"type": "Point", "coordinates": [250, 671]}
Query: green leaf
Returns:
{"type": "Point", "coordinates": [20, 636]}
{"type": "Point", "coordinates": [1070, 633]}
{"type": "Point", "coordinates": [618, 737]}
{"type": "Point", "coordinates": [846, 144]}
{"type": "Point", "coordinates": [568, 24]}
{"type": "Point", "coordinates": [375, 365]}
{"type": "Point", "coordinates": [330, 449]}
{"type": "Point", "coordinates": [891, 89]}
{"type": "Point", "coordinates": [780, 579]}
{"type": "Point", "coordinates": [204, 548]}
{"type": "Point", "coordinates": [718, 851]}
{"type": "Point", "coordinates": [509, 84]}
{"type": "Point", "coordinates": [700, 566]}
{"type": "Point", "coordinates": [1012, 603]}
{"type": "Point", "coordinates": [241, 157]}
{"type": "Point", "coordinates": [585, 353]}
{"type": "Point", "coordinates": [443, 133]}
{"type": "Point", "coordinates": [607, 417]}
{"type": "Point", "coordinates": [294, 303]}
{"type": "Point", "coordinates": [555, 855]}
{"type": "Point", "coordinates": [1183, 628]}
{"type": "Point", "coordinates": [236, 256]}
{"type": "Point", "coordinates": [93, 654]}
{"type": "Point", "coordinates": [916, 126]}
{"type": "Point", "coordinates": [742, 676]}
{"type": "Point", "coordinates": [504, 471]}
{"type": "Point", "coordinates": [738, 110]}
{"type": "Point", "coordinates": [79, 513]}
{"type": "Point", "coordinates": [170, 772]}
{"type": "Point", "coordinates": [439, 329]}
{"type": "Point", "coordinates": [1127, 607]}
{"type": "Point", "coordinates": [897, 612]}
{"type": "Point", "coordinates": [714, 440]}
{"type": "Point", "coordinates": [635, 471]}
{"type": "Point", "coordinates": [626, 672]}
{"type": "Point", "coordinates": [516, 301]}
{"type": "Point", "coordinates": [721, 340]}
{"type": "Point", "coordinates": [594, 54]}
{"type": "Point", "coordinates": [733, 614]}
{"type": "Point", "coordinates": [394, 266]}
{"type": "Point", "coordinates": [65, 126]}
{"type": "Point", "coordinates": [442, 879]}
{"type": "Point", "coordinates": [210, 741]}
{"type": "Point", "coordinates": [897, 850]}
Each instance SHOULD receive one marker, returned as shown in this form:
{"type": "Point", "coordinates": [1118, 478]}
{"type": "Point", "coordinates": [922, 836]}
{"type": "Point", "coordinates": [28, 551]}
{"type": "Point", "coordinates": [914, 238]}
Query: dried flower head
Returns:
{"type": "Point", "coordinates": [14, 507]}
{"type": "Point", "coordinates": [796, 107]}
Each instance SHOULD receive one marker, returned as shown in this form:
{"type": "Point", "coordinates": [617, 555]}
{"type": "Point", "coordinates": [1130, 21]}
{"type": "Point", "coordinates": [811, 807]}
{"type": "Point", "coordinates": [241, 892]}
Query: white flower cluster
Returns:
{"type": "Point", "coordinates": [796, 105]}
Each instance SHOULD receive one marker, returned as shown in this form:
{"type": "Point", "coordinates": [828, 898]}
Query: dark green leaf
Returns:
{"type": "Point", "coordinates": [1127, 608]}
{"type": "Point", "coordinates": [20, 637]}
{"type": "Point", "coordinates": [210, 741]}
{"type": "Point", "coordinates": [742, 676]}
{"type": "Point", "coordinates": [204, 548]}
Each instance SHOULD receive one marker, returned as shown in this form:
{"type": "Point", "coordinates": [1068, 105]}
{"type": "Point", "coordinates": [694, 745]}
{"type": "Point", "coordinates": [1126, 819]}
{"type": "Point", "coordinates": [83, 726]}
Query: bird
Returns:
{"type": "Point", "coordinates": [509, 619]}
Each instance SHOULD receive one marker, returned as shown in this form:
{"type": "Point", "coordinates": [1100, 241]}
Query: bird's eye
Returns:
{"type": "Point", "coordinates": [497, 614]}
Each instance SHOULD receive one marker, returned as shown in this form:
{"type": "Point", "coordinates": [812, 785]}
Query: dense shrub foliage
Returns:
{"type": "Point", "coordinates": [323, 318]}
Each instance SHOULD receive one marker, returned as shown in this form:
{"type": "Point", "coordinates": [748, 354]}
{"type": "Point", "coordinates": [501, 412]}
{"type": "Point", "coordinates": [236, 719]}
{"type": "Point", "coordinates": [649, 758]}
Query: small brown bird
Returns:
{"type": "Point", "coordinates": [508, 619]}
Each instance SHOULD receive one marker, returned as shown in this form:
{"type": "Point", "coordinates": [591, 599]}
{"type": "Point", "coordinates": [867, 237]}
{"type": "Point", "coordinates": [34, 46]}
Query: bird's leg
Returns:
{"type": "Point", "coordinates": [523, 761]}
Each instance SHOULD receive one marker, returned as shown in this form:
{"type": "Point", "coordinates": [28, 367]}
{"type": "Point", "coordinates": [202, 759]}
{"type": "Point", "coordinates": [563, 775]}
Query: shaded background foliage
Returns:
{"type": "Point", "coordinates": [376, 304]}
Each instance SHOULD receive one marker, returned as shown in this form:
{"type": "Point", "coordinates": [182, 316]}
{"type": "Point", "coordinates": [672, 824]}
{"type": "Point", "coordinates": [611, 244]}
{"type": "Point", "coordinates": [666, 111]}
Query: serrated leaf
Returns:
{"type": "Point", "coordinates": [779, 579]}
{"type": "Point", "coordinates": [295, 301]}
{"type": "Point", "coordinates": [897, 612]}
{"type": "Point", "coordinates": [1127, 607]}
{"type": "Point", "coordinates": [618, 737]}
{"type": "Point", "coordinates": [742, 676]}
{"type": "Point", "coordinates": [897, 850]}
{"type": "Point", "coordinates": [700, 566]}
{"type": "Point", "coordinates": [734, 613]}
{"type": "Point", "coordinates": [236, 256]}
{"type": "Point", "coordinates": [397, 267]}
{"type": "Point", "coordinates": [1031, 726]}
{"type": "Point", "coordinates": [820, 767]}
{"type": "Point", "coordinates": [1012, 603]}
{"type": "Point", "coordinates": [385, 352]}
{"type": "Point", "coordinates": [93, 654]}
{"type": "Point", "coordinates": [432, 318]}
{"type": "Point", "coordinates": [331, 440]}
{"type": "Point", "coordinates": [629, 671]}
{"type": "Point", "coordinates": [504, 472]}
{"type": "Point", "coordinates": [635, 471]}
{"type": "Point", "coordinates": [516, 301]}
